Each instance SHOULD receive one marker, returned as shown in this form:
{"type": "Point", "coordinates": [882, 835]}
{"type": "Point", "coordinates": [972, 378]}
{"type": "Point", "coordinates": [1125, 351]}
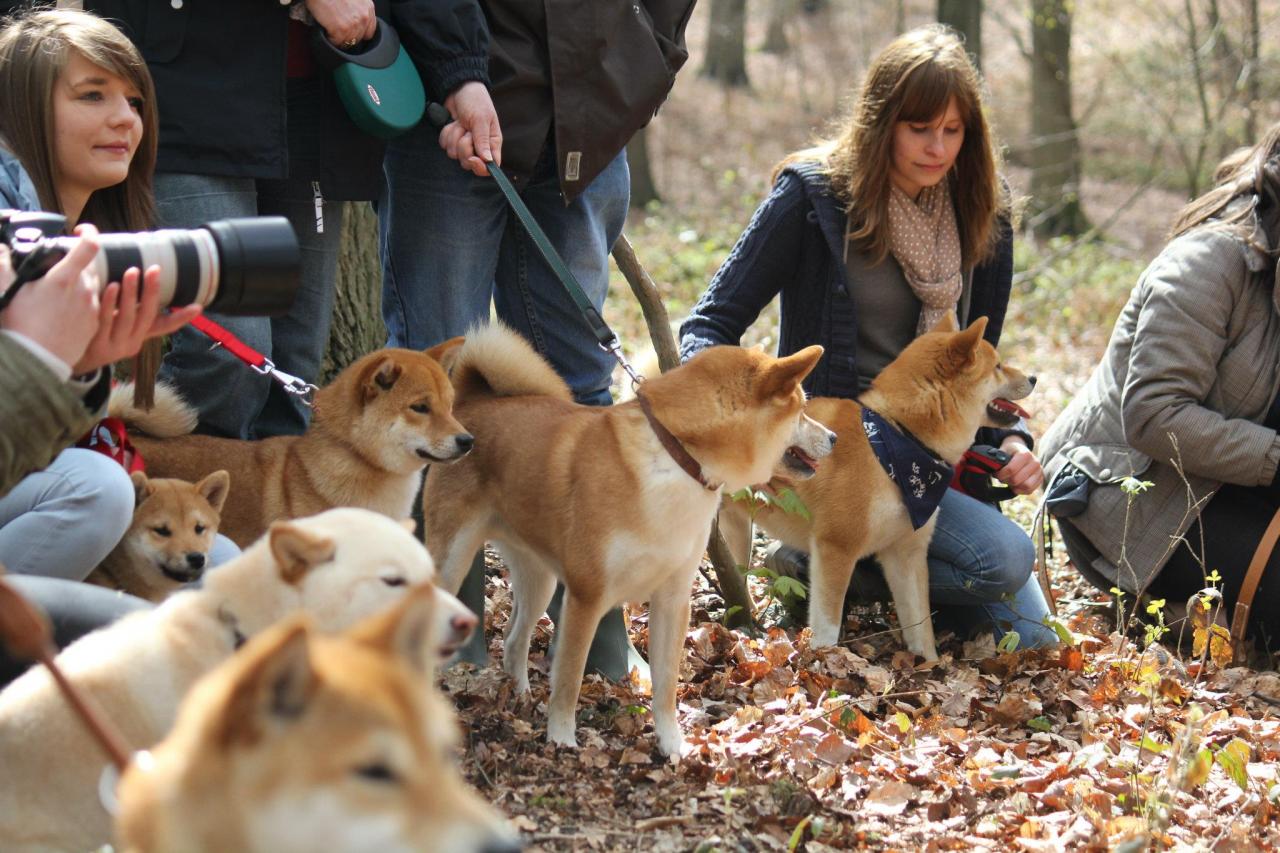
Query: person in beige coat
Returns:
{"type": "Point", "coordinates": [1185, 399]}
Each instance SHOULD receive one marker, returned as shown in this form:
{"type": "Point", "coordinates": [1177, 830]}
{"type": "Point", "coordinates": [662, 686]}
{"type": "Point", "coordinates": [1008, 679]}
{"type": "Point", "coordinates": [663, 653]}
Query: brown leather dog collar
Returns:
{"type": "Point", "coordinates": [673, 446]}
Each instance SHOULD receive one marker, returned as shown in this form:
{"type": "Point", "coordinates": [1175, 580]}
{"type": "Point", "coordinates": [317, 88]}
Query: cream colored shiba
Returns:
{"type": "Point", "coordinates": [614, 502]}
{"type": "Point", "coordinates": [337, 567]}
{"type": "Point", "coordinates": [304, 743]}
{"type": "Point", "coordinates": [167, 543]}
{"type": "Point", "coordinates": [940, 389]}
{"type": "Point", "coordinates": [374, 429]}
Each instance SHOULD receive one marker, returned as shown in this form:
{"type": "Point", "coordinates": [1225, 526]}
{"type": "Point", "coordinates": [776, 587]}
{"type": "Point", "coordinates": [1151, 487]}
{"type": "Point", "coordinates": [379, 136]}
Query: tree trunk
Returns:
{"type": "Point", "coordinates": [1252, 87]}
{"type": "Point", "coordinates": [1055, 144]}
{"type": "Point", "coordinates": [357, 311]}
{"type": "Point", "coordinates": [643, 189]}
{"type": "Point", "coordinates": [775, 35]}
{"type": "Point", "coordinates": [726, 60]}
{"type": "Point", "coordinates": [965, 17]}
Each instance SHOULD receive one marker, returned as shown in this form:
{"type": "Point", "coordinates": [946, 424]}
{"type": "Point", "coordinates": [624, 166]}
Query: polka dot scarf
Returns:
{"type": "Point", "coordinates": [926, 244]}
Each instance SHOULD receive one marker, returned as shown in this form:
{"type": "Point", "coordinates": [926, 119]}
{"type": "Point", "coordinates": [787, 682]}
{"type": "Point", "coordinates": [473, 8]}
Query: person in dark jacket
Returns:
{"type": "Point", "coordinates": [572, 81]}
{"type": "Point", "coordinates": [870, 238]}
{"type": "Point", "coordinates": [250, 125]}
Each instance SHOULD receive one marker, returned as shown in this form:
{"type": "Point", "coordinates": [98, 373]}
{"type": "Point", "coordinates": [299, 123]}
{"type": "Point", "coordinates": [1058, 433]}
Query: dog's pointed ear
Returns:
{"type": "Point", "coordinates": [273, 687]}
{"type": "Point", "coordinates": [408, 631]}
{"type": "Point", "coordinates": [963, 346]}
{"type": "Point", "coordinates": [297, 550]}
{"type": "Point", "coordinates": [142, 487]}
{"type": "Point", "coordinates": [782, 377]}
{"type": "Point", "coordinates": [214, 488]}
{"type": "Point", "coordinates": [378, 376]}
{"type": "Point", "coordinates": [447, 352]}
{"type": "Point", "coordinates": [946, 324]}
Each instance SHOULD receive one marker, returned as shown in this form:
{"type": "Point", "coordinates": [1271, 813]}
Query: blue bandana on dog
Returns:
{"type": "Point", "coordinates": [921, 477]}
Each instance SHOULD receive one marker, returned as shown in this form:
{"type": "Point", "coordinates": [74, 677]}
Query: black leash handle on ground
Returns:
{"type": "Point", "coordinates": [608, 341]}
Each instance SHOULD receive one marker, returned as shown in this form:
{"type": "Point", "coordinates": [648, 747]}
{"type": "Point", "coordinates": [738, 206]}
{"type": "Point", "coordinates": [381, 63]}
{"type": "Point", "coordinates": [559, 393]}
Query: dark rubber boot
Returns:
{"type": "Point", "coordinates": [611, 653]}
{"type": "Point", "coordinates": [476, 649]}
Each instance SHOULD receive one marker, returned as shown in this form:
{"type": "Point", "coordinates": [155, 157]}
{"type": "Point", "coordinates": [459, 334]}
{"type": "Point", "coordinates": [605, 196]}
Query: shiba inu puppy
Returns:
{"type": "Point", "coordinates": [934, 396]}
{"type": "Point", "coordinates": [615, 502]}
{"type": "Point", "coordinates": [337, 567]}
{"type": "Point", "coordinates": [302, 742]}
{"type": "Point", "coordinates": [375, 427]}
{"type": "Point", "coordinates": [167, 544]}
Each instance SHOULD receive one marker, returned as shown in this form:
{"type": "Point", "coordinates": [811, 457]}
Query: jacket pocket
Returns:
{"type": "Point", "coordinates": [1108, 463]}
{"type": "Point", "coordinates": [163, 32]}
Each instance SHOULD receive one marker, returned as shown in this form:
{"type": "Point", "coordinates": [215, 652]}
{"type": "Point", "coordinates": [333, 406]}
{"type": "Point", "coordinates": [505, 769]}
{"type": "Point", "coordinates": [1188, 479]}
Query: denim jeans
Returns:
{"type": "Point", "coordinates": [61, 521]}
{"type": "Point", "coordinates": [234, 400]}
{"type": "Point", "coordinates": [450, 244]}
{"type": "Point", "coordinates": [981, 572]}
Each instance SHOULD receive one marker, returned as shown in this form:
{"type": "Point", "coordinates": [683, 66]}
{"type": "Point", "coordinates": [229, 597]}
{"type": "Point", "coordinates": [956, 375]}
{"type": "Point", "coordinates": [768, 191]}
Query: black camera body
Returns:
{"type": "Point", "coordinates": [246, 267]}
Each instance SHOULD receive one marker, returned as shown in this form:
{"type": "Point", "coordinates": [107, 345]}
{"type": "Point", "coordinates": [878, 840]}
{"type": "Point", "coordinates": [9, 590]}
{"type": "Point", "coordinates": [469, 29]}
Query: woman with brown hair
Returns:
{"type": "Point", "coordinates": [77, 137]}
{"type": "Point", "coordinates": [870, 237]}
{"type": "Point", "coordinates": [1185, 398]}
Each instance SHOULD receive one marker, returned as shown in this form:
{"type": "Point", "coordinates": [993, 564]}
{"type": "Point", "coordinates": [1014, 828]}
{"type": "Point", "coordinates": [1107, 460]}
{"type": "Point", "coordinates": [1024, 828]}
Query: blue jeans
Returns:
{"type": "Point", "coordinates": [981, 572]}
{"type": "Point", "coordinates": [234, 400]}
{"type": "Point", "coordinates": [450, 244]}
{"type": "Point", "coordinates": [61, 521]}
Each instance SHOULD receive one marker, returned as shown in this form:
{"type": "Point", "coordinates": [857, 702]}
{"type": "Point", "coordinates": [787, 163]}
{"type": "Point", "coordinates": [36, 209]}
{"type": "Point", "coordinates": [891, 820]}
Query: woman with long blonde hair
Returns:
{"type": "Point", "coordinates": [870, 237]}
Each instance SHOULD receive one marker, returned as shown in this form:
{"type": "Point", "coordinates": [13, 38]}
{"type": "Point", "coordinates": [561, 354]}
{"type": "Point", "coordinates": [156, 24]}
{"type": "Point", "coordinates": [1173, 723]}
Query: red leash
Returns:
{"type": "Point", "coordinates": [259, 362]}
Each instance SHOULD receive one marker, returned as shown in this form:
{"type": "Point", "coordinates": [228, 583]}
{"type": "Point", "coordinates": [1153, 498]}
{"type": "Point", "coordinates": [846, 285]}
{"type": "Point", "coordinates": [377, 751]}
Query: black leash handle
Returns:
{"type": "Point", "coordinates": [608, 341]}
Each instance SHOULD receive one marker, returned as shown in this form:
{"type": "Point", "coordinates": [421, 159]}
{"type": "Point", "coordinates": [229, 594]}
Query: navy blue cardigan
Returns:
{"type": "Point", "coordinates": [794, 245]}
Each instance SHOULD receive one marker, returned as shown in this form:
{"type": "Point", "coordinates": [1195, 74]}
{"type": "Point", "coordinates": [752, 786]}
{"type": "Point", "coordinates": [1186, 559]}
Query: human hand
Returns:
{"type": "Point", "coordinates": [125, 321]}
{"type": "Point", "coordinates": [345, 22]}
{"type": "Point", "coordinates": [59, 311]}
{"type": "Point", "coordinates": [1023, 473]}
{"type": "Point", "coordinates": [474, 137]}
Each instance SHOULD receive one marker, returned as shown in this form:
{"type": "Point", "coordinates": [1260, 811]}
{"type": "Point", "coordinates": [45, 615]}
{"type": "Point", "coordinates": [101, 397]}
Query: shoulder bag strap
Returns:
{"type": "Point", "coordinates": [1252, 577]}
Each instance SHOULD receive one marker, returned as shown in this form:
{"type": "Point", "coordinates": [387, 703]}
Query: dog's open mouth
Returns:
{"type": "Point", "coordinates": [1005, 413]}
{"type": "Point", "coordinates": [799, 463]}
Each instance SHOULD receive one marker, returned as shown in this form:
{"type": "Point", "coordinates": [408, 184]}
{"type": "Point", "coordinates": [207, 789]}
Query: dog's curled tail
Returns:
{"type": "Point", "coordinates": [170, 416]}
{"type": "Point", "coordinates": [497, 361]}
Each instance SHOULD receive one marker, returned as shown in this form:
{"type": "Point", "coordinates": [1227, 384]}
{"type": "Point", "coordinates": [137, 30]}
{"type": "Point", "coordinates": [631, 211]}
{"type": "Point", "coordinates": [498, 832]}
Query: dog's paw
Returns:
{"type": "Point", "coordinates": [824, 635]}
{"type": "Point", "coordinates": [670, 740]}
{"type": "Point", "coordinates": [562, 733]}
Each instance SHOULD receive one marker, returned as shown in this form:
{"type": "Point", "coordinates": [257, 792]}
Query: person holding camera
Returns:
{"type": "Point", "coordinates": [63, 509]}
{"type": "Point", "coordinates": [251, 125]}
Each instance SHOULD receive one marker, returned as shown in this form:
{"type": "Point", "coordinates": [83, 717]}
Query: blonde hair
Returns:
{"type": "Point", "coordinates": [35, 48]}
{"type": "Point", "coordinates": [1245, 171]}
{"type": "Point", "coordinates": [913, 79]}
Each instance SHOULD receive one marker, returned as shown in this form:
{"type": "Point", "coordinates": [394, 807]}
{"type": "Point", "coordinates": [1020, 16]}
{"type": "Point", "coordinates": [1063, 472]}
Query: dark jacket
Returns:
{"type": "Point", "coordinates": [794, 245]}
{"type": "Point", "coordinates": [219, 69]}
{"type": "Point", "coordinates": [595, 70]}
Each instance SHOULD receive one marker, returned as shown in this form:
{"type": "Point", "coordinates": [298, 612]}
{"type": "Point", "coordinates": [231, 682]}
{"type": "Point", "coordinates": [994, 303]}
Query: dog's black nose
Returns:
{"type": "Point", "coordinates": [465, 441]}
{"type": "Point", "coordinates": [1032, 380]}
{"type": "Point", "coordinates": [195, 560]}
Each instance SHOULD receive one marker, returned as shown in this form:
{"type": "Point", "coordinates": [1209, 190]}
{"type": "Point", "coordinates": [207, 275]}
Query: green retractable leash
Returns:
{"type": "Point", "coordinates": [376, 81]}
{"type": "Point", "coordinates": [608, 341]}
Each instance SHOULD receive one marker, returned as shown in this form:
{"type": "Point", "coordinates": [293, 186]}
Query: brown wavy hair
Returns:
{"type": "Point", "coordinates": [913, 79]}
{"type": "Point", "coordinates": [1253, 170]}
{"type": "Point", "coordinates": [34, 50]}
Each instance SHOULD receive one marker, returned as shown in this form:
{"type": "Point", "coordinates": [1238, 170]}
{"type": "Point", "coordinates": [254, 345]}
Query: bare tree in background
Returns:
{"type": "Point", "coordinates": [726, 60]}
{"type": "Point", "coordinates": [775, 34]}
{"type": "Point", "coordinates": [1055, 142]}
{"type": "Point", "coordinates": [643, 188]}
{"type": "Point", "coordinates": [965, 17]}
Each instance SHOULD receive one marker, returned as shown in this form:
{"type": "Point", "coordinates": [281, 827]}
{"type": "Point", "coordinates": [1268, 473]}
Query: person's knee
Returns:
{"type": "Point", "coordinates": [1001, 567]}
{"type": "Point", "coordinates": [106, 496]}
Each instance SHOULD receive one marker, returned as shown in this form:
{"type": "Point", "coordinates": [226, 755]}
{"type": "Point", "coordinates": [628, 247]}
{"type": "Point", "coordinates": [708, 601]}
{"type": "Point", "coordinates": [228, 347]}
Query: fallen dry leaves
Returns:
{"type": "Point", "coordinates": [1098, 746]}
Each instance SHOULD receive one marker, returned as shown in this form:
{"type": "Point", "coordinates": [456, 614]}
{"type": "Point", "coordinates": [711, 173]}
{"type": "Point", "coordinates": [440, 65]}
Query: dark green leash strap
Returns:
{"type": "Point", "coordinates": [608, 341]}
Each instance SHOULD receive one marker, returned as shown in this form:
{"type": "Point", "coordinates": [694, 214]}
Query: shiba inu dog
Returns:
{"type": "Point", "coordinates": [302, 742]}
{"type": "Point", "coordinates": [337, 567]}
{"type": "Point", "coordinates": [167, 544]}
{"type": "Point", "coordinates": [934, 395]}
{"type": "Point", "coordinates": [375, 427]}
{"type": "Point", "coordinates": [616, 502]}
